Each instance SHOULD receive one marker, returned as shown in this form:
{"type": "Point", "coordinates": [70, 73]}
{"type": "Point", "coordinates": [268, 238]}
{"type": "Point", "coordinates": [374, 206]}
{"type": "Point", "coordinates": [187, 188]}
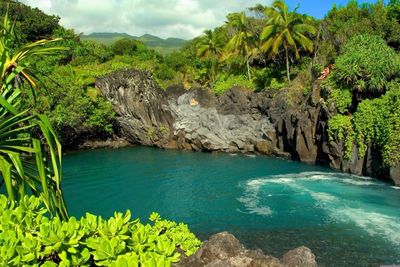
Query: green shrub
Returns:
{"type": "Point", "coordinates": [340, 128]}
{"type": "Point", "coordinates": [342, 98]}
{"type": "Point", "coordinates": [225, 83]}
{"type": "Point", "coordinates": [29, 238]}
{"type": "Point", "coordinates": [376, 122]}
{"type": "Point", "coordinates": [367, 63]}
{"type": "Point", "coordinates": [269, 78]}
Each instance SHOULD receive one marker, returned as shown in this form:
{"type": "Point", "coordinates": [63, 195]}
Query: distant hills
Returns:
{"type": "Point", "coordinates": [163, 46]}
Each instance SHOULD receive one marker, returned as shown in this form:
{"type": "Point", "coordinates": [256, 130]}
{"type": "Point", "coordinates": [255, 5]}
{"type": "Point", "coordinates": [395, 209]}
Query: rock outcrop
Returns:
{"type": "Point", "coordinates": [192, 120]}
{"type": "Point", "coordinates": [141, 106]}
{"type": "Point", "coordinates": [301, 130]}
{"type": "Point", "coordinates": [224, 250]}
{"type": "Point", "coordinates": [202, 125]}
{"type": "Point", "coordinates": [287, 124]}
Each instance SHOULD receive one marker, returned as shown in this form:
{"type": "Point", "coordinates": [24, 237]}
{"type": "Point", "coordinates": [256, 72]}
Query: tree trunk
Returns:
{"type": "Point", "coordinates": [287, 64]}
{"type": "Point", "coordinates": [248, 68]}
{"type": "Point", "coordinates": [213, 66]}
{"type": "Point", "coordinates": [316, 48]}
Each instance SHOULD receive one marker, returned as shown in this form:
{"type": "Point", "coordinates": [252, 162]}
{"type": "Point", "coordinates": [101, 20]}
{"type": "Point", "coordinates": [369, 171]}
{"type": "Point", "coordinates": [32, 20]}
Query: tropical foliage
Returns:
{"type": "Point", "coordinates": [29, 238]}
{"type": "Point", "coordinates": [288, 29]}
{"type": "Point", "coordinates": [376, 122]}
{"type": "Point", "coordinates": [241, 43]}
{"type": "Point", "coordinates": [366, 64]}
{"type": "Point", "coordinates": [25, 166]}
{"type": "Point", "coordinates": [210, 47]}
{"type": "Point", "coordinates": [31, 23]}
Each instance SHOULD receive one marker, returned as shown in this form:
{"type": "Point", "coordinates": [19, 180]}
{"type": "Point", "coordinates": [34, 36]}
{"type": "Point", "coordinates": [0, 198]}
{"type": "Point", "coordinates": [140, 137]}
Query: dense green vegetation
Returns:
{"type": "Point", "coordinates": [365, 89]}
{"type": "Point", "coordinates": [29, 238]}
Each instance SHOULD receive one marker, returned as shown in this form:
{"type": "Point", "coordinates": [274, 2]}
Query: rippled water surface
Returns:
{"type": "Point", "coordinates": [268, 203]}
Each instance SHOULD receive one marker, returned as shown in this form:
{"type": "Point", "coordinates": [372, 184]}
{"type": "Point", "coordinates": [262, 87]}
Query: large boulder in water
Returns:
{"type": "Point", "coordinates": [299, 257]}
{"type": "Point", "coordinates": [224, 250]}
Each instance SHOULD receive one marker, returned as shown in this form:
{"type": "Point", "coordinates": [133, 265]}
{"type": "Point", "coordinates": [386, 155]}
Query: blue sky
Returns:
{"type": "Point", "coordinates": [319, 8]}
{"type": "Point", "coordinates": [165, 18]}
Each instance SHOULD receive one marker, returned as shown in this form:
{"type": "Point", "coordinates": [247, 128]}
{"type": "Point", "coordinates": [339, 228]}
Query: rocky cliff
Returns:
{"type": "Point", "coordinates": [287, 123]}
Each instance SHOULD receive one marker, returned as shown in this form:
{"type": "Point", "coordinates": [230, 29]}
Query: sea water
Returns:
{"type": "Point", "coordinates": [267, 203]}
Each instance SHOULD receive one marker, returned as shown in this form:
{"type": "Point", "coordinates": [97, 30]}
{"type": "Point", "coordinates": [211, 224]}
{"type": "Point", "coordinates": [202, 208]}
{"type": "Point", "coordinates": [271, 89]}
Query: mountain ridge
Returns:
{"type": "Point", "coordinates": [163, 46]}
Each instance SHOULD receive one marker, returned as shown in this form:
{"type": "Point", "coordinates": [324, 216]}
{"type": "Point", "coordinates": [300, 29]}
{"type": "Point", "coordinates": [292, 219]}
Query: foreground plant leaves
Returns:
{"type": "Point", "coordinates": [28, 237]}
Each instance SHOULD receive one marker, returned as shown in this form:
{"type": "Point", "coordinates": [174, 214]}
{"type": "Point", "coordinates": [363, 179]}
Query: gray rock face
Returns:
{"type": "Point", "coordinates": [224, 250]}
{"type": "Point", "coordinates": [179, 119]}
{"type": "Point", "coordinates": [206, 128]}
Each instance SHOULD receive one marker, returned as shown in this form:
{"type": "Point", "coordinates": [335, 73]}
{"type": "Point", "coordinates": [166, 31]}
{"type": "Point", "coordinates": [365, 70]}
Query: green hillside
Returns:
{"type": "Point", "coordinates": [163, 46]}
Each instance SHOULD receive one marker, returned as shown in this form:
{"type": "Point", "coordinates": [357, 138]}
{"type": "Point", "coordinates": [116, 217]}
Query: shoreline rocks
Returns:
{"type": "Point", "coordinates": [112, 143]}
{"type": "Point", "coordinates": [224, 250]}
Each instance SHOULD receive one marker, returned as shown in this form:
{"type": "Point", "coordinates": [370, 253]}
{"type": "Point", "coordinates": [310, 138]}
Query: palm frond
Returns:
{"type": "Point", "coordinates": [18, 144]}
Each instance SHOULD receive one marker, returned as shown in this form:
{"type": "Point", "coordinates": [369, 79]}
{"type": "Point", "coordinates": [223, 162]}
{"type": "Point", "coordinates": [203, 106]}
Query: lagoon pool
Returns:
{"type": "Point", "coordinates": [267, 203]}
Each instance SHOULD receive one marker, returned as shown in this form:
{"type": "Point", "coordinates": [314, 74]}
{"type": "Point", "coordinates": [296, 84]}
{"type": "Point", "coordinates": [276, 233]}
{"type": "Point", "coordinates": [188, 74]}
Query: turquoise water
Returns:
{"type": "Point", "coordinates": [268, 203]}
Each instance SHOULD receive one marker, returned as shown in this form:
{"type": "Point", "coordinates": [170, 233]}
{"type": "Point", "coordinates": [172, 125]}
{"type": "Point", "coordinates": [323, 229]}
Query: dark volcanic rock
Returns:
{"type": "Point", "coordinates": [139, 103]}
{"type": "Point", "coordinates": [224, 250]}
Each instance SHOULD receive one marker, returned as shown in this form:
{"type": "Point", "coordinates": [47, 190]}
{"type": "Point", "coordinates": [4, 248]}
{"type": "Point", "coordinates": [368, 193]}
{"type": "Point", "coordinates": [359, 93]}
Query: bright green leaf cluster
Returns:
{"type": "Point", "coordinates": [29, 238]}
{"type": "Point", "coordinates": [366, 64]}
{"type": "Point", "coordinates": [340, 128]}
{"type": "Point", "coordinates": [225, 83]}
{"type": "Point", "coordinates": [341, 98]}
{"type": "Point", "coordinates": [376, 122]}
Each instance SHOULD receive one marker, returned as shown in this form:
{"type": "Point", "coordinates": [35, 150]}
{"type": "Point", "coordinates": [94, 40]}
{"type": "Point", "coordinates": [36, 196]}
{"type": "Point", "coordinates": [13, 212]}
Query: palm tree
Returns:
{"type": "Point", "coordinates": [241, 41]}
{"type": "Point", "coordinates": [287, 29]}
{"type": "Point", "coordinates": [210, 47]}
{"type": "Point", "coordinates": [24, 137]}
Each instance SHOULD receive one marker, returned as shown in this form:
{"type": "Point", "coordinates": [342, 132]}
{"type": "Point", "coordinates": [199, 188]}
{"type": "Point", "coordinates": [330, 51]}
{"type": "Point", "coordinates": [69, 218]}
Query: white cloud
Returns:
{"type": "Point", "coordinates": [164, 18]}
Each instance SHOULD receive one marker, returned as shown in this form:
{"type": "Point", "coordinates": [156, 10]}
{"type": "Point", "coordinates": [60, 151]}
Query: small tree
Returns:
{"type": "Point", "coordinates": [241, 42]}
{"type": "Point", "coordinates": [366, 64]}
{"type": "Point", "coordinates": [210, 47]}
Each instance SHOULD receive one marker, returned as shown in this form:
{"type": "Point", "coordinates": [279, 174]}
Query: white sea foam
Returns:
{"type": "Point", "coordinates": [358, 182]}
{"type": "Point", "coordinates": [375, 224]}
{"type": "Point", "coordinates": [292, 178]}
{"type": "Point", "coordinates": [251, 203]}
{"type": "Point", "coordinates": [322, 197]}
{"type": "Point", "coordinates": [372, 222]}
{"type": "Point", "coordinates": [265, 211]}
